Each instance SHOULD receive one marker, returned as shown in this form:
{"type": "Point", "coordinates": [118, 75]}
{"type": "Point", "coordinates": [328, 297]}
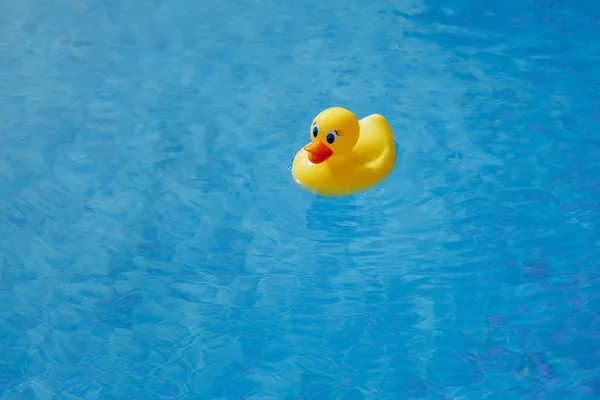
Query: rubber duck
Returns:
{"type": "Point", "coordinates": [345, 155]}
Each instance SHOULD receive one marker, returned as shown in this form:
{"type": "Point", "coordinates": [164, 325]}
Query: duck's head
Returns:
{"type": "Point", "coordinates": [333, 132]}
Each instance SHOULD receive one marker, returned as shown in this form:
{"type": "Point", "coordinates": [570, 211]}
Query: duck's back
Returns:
{"type": "Point", "coordinates": [376, 143]}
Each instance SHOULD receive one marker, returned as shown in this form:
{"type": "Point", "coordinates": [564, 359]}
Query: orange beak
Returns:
{"type": "Point", "coordinates": [318, 152]}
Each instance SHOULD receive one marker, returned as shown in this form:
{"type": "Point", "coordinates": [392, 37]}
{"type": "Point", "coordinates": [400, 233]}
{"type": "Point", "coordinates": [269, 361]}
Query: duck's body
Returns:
{"type": "Point", "coordinates": [353, 168]}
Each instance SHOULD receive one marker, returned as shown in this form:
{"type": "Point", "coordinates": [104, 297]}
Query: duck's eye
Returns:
{"type": "Point", "coordinates": [315, 130]}
{"type": "Point", "coordinates": [330, 138]}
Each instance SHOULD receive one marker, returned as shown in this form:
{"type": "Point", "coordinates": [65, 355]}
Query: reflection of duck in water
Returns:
{"type": "Point", "coordinates": [336, 225]}
{"type": "Point", "coordinates": [343, 217]}
{"type": "Point", "coordinates": [344, 222]}
{"type": "Point", "coordinates": [345, 155]}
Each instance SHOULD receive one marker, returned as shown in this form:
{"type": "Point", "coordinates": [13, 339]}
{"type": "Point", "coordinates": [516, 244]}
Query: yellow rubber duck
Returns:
{"type": "Point", "coordinates": [345, 155]}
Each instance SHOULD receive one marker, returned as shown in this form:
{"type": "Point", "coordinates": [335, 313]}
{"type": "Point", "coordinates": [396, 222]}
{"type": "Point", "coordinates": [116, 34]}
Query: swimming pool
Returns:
{"type": "Point", "coordinates": [154, 246]}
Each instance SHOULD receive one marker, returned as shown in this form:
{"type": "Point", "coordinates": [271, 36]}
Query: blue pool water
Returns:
{"type": "Point", "coordinates": [153, 244]}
